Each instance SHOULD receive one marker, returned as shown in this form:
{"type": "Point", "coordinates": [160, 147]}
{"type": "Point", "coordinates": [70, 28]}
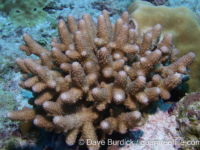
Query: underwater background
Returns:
{"type": "Point", "coordinates": [39, 19]}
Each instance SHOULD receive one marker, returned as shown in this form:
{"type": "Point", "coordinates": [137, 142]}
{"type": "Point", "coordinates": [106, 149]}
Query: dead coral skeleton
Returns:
{"type": "Point", "coordinates": [97, 77]}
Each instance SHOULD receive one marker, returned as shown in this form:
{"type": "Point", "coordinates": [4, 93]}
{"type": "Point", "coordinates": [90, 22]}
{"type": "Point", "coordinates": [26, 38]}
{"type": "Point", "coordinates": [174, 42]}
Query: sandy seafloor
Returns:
{"type": "Point", "coordinates": [13, 97]}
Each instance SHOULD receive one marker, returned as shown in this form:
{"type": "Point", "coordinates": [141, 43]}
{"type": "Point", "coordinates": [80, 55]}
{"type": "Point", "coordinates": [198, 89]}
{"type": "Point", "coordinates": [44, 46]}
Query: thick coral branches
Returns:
{"type": "Point", "coordinates": [98, 77]}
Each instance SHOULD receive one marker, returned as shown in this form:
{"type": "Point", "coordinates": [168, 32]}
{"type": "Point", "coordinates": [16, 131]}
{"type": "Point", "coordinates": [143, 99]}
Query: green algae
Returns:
{"type": "Point", "coordinates": [28, 13]}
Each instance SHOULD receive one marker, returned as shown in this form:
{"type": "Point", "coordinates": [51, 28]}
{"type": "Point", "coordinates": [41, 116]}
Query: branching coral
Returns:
{"type": "Point", "coordinates": [97, 77]}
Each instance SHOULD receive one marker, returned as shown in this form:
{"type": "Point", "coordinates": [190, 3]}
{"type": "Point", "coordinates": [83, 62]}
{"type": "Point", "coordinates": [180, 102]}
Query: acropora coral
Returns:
{"type": "Point", "coordinates": [98, 77]}
{"type": "Point", "coordinates": [181, 22]}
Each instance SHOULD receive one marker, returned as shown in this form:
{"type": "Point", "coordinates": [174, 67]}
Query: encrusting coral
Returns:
{"type": "Point", "coordinates": [97, 77]}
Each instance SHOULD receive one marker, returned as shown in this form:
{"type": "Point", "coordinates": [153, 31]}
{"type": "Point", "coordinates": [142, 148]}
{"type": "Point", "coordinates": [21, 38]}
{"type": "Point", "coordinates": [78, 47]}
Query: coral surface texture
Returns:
{"type": "Point", "coordinates": [98, 77]}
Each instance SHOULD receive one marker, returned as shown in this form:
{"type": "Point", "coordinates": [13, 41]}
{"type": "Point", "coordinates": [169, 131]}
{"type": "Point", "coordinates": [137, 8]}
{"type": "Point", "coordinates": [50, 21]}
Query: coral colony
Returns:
{"type": "Point", "coordinates": [98, 77]}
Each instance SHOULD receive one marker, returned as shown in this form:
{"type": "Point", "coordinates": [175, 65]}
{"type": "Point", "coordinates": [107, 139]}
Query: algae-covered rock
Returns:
{"type": "Point", "coordinates": [188, 118]}
{"type": "Point", "coordinates": [7, 103]}
{"type": "Point", "coordinates": [27, 13]}
{"type": "Point", "coordinates": [12, 144]}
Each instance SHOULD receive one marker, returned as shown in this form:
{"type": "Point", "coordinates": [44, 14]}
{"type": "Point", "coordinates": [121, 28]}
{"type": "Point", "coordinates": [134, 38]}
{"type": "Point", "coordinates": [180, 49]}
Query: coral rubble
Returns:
{"type": "Point", "coordinates": [97, 77]}
{"type": "Point", "coordinates": [161, 127]}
